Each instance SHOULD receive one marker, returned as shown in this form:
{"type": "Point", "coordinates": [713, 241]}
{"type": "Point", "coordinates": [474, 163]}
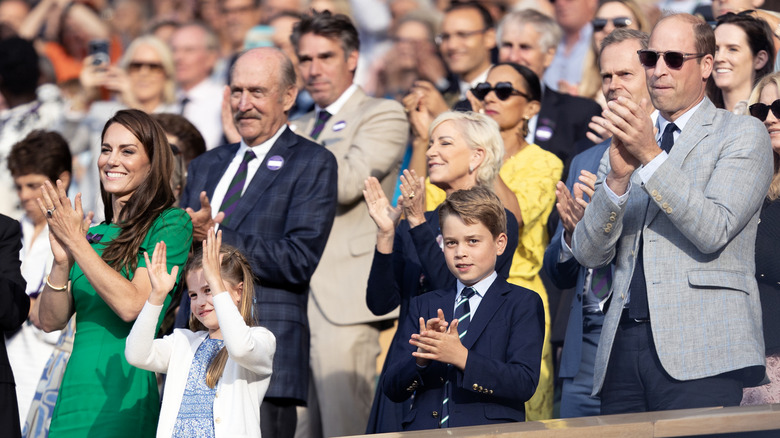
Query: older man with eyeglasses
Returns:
{"type": "Point", "coordinates": [676, 210]}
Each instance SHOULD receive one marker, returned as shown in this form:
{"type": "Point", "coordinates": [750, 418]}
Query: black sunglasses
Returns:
{"type": "Point", "coordinates": [619, 22]}
{"type": "Point", "coordinates": [138, 66]}
{"type": "Point", "coordinates": [761, 110]}
{"type": "Point", "coordinates": [502, 89]}
{"type": "Point", "coordinates": [675, 60]}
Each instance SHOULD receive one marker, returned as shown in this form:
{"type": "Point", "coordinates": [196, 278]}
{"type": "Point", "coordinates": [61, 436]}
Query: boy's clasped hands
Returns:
{"type": "Point", "coordinates": [439, 340]}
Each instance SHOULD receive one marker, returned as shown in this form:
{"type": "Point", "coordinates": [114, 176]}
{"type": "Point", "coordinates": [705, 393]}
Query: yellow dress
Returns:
{"type": "Point", "coordinates": [531, 174]}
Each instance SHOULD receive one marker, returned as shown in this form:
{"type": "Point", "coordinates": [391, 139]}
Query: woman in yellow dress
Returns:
{"type": "Point", "coordinates": [511, 96]}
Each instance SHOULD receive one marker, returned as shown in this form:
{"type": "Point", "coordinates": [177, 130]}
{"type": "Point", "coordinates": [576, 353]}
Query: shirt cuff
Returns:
{"type": "Point", "coordinates": [647, 171]}
{"type": "Point", "coordinates": [617, 200]}
{"type": "Point", "coordinates": [565, 253]}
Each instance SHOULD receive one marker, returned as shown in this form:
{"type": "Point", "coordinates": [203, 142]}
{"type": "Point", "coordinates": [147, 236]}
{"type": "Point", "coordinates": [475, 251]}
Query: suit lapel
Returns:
{"type": "Point", "coordinates": [491, 302]}
{"type": "Point", "coordinates": [224, 156]}
{"type": "Point", "coordinates": [264, 176]}
{"type": "Point", "coordinates": [696, 130]}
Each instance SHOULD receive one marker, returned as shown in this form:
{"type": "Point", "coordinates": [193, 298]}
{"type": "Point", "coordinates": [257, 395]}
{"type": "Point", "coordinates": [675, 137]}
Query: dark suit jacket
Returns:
{"type": "Point", "coordinates": [570, 273]}
{"type": "Point", "coordinates": [14, 306]}
{"type": "Point", "coordinates": [502, 370]}
{"type": "Point", "coordinates": [281, 224]}
{"type": "Point", "coordinates": [562, 122]}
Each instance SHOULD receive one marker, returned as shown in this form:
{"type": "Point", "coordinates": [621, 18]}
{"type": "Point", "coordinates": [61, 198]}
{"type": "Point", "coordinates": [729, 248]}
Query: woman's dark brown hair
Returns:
{"type": "Point", "coordinates": [149, 200]}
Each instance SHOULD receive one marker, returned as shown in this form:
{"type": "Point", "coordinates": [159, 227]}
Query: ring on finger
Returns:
{"type": "Point", "coordinates": [50, 211]}
{"type": "Point", "coordinates": [411, 195]}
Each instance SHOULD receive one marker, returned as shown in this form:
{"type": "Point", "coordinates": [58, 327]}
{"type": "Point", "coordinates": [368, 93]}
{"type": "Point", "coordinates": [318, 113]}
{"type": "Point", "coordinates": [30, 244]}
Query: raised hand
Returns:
{"type": "Point", "coordinates": [67, 224]}
{"type": "Point", "coordinates": [201, 219]}
{"type": "Point", "coordinates": [571, 207]}
{"type": "Point", "coordinates": [162, 281]}
{"type": "Point", "coordinates": [212, 262]}
{"type": "Point", "coordinates": [384, 215]}
{"type": "Point", "coordinates": [413, 192]}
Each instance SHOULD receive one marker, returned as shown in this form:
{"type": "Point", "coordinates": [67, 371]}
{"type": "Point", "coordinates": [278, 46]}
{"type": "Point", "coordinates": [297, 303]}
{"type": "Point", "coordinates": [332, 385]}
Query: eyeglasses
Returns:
{"type": "Point", "coordinates": [675, 60]}
{"type": "Point", "coordinates": [502, 89]}
{"type": "Point", "coordinates": [619, 22]}
{"type": "Point", "coordinates": [446, 37]}
{"type": "Point", "coordinates": [138, 66]}
{"type": "Point", "coordinates": [761, 110]}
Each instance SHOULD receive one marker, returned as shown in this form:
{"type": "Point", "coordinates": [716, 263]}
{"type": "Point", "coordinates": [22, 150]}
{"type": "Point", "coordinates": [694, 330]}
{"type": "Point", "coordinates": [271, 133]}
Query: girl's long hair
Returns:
{"type": "Point", "coordinates": [234, 269]}
{"type": "Point", "coordinates": [149, 200]}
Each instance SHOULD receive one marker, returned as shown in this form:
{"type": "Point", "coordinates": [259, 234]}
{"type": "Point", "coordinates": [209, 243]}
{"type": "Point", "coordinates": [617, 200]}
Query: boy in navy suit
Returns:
{"type": "Point", "coordinates": [474, 351]}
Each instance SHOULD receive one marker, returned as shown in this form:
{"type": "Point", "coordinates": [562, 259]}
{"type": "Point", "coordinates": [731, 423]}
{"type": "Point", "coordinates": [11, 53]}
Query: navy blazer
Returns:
{"type": "Point", "coordinates": [281, 224]}
{"type": "Point", "coordinates": [502, 370]}
{"type": "Point", "coordinates": [570, 273]}
{"type": "Point", "coordinates": [562, 122]}
{"type": "Point", "coordinates": [14, 306]}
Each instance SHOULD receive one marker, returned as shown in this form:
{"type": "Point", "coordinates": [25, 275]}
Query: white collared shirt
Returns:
{"type": "Point", "coordinates": [464, 86]}
{"type": "Point", "coordinates": [204, 110]}
{"type": "Point", "coordinates": [481, 287]}
{"type": "Point", "coordinates": [224, 182]}
{"type": "Point", "coordinates": [336, 106]}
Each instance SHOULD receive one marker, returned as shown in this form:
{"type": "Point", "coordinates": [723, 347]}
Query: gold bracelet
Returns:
{"type": "Point", "coordinates": [55, 288]}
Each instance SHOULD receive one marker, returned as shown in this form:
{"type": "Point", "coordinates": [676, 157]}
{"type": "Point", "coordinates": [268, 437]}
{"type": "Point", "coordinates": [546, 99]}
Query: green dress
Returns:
{"type": "Point", "coordinates": [101, 394]}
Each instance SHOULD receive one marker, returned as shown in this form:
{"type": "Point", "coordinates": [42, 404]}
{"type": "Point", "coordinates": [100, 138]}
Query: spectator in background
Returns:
{"type": "Point", "coordinates": [142, 80]}
{"type": "Point", "coordinates": [412, 57]}
{"type": "Point", "coordinates": [27, 111]}
{"type": "Point", "coordinates": [283, 25]}
{"type": "Point", "coordinates": [13, 13]}
{"type": "Point", "coordinates": [368, 138]}
{"type": "Point", "coordinates": [530, 38]}
{"type": "Point", "coordinates": [127, 19]}
{"type": "Point", "coordinates": [67, 28]}
{"type": "Point", "coordinates": [182, 134]}
{"type": "Point", "coordinates": [14, 307]}
{"type": "Point", "coordinates": [744, 54]}
{"type": "Point", "coordinates": [239, 16]}
{"type": "Point", "coordinates": [574, 17]}
{"type": "Point", "coordinates": [42, 156]}
{"type": "Point", "coordinates": [765, 105]}
{"type": "Point", "coordinates": [199, 97]}
{"type": "Point", "coordinates": [611, 15]}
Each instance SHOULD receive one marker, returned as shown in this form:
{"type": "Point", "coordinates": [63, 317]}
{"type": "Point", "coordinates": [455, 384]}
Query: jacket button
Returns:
{"type": "Point", "coordinates": [491, 391]}
{"type": "Point", "coordinates": [654, 193]}
{"type": "Point", "coordinates": [442, 379]}
{"type": "Point", "coordinates": [669, 210]}
{"type": "Point", "coordinates": [217, 420]}
{"type": "Point", "coordinates": [665, 205]}
{"type": "Point", "coordinates": [435, 414]}
{"type": "Point", "coordinates": [474, 387]}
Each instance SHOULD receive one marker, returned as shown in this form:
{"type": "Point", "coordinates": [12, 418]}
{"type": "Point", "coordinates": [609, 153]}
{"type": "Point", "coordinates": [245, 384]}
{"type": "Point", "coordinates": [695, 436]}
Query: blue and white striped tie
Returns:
{"type": "Point", "coordinates": [463, 315]}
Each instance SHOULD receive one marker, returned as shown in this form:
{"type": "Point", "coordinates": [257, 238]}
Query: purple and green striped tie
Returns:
{"type": "Point", "coordinates": [236, 187]}
{"type": "Point", "coordinates": [322, 118]}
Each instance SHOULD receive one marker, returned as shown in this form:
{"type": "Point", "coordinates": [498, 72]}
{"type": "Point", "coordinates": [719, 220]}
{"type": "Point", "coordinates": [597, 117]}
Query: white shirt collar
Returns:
{"type": "Point", "coordinates": [336, 106]}
{"type": "Point", "coordinates": [481, 287]}
{"type": "Point", "coordinates": [680, 122]}
{"type": "Point", "coordinates": [263, 148]}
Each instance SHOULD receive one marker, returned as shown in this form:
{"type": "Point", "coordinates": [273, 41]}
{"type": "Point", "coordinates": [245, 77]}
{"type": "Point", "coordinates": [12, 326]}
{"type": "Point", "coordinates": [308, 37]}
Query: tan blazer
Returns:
{"type": "Point", "coordinates": [368, 136]}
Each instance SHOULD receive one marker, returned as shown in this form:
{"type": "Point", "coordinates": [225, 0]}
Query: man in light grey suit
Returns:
{"type": "Point", "coordinates": [677, 209]}
{"type": "Point", "coordinates": [368, 137]}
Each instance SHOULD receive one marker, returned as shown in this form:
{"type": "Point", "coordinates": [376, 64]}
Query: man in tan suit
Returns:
{"type": "Point", "coordinates": [368, 137]}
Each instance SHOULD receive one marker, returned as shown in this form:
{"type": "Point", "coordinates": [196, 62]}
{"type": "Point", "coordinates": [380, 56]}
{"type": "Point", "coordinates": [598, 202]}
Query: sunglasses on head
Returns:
{"type": "Point", "coordinates": [674, 60]}
{"type": "Point", "coordinates": [619, 22]}
{"type": "Point", "coordinates": [761, 110]}
{"type": "Point", "coordinates": [502, 89]}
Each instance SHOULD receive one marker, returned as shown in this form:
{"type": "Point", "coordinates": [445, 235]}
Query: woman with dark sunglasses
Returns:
{"type": "Point", "coordinates": [526, 186]}
{"type": "Point", "coordinates": [611, 15]}
{"type": "Point", "coordinates": [765, 105]}
{"type": "Point", "coordinates": [744, 54]}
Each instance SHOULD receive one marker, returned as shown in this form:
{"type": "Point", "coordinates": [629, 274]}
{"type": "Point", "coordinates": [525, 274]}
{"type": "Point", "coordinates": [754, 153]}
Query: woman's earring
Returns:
{"type": "Point", "coordinates": [471, 168]}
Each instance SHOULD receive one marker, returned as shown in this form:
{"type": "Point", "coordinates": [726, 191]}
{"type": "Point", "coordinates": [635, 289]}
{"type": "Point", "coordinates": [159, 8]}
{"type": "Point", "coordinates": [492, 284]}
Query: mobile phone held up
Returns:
{"type": "Point", "coordinates": [98, 49]}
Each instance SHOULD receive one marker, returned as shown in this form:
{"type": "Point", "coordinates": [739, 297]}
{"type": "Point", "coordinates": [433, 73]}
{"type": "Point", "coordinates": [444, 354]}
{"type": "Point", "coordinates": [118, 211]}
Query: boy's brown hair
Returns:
{"type": "Point", "coordinates": [477, 204]}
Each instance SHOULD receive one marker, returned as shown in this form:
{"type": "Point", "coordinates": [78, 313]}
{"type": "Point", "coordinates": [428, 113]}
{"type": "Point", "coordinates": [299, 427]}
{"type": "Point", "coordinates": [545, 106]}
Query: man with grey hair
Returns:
{"type": "Point", "coordinates": [622, 75]}
{"type": "Point", "coordinates": [273, 196]}
{"type": "Point", "coordinates": [195, 53]}
{"type": "Point", "coordinates": [530, 38]}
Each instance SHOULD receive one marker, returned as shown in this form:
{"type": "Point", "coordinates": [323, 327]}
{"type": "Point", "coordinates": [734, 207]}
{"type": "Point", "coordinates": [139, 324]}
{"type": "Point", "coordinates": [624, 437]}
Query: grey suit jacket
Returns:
{"type": "Point", "coordinates": [368, 137]}
{"type": "Point", "coordinates": [697, 216]}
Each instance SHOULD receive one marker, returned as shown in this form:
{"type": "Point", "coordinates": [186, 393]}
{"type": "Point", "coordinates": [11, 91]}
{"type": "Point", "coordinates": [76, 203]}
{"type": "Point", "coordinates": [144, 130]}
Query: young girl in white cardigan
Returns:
{"type": "Point", "coordinates": [219, 371]}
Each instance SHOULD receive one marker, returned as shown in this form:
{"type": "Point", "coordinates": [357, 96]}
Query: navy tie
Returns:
{"type": "Point", "coordinates": [463, 315]}
{"type": "Point", "coordinates": [638, 308]}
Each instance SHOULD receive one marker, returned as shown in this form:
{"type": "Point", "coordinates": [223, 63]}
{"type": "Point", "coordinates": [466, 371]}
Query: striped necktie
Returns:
{"type": "Point", "coordinates": [236, 187]}
{"type": "Point", "coordinates": [322, 117]}
{"type": "Point", "coordinates": [463, 315]}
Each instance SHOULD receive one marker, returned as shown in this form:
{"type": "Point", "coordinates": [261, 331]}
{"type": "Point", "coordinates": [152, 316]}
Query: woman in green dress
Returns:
{"type": "Point", "coordinates": [99, 273]}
